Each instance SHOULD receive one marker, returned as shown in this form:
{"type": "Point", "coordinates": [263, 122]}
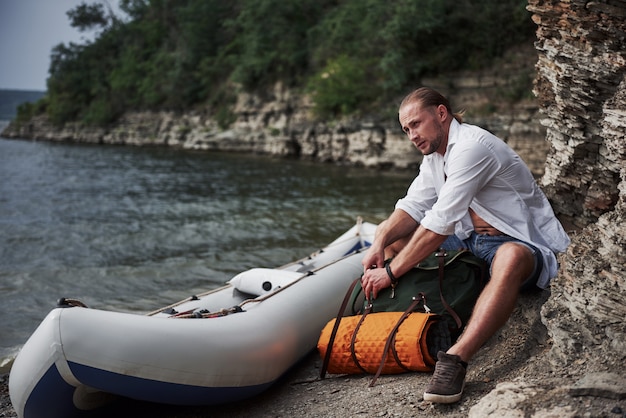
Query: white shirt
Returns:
{"type": "Point", "coordinates": [481, 172]}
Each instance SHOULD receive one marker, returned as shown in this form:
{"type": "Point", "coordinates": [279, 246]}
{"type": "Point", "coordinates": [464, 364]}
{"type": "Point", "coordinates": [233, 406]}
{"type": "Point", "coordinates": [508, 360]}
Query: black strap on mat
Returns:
{"type": "Point", "coordinates": [331, 341]}
{"type": "Point", "coordinates": [353, 339]}
{"type": "Point", "coordinates": [391, 338]}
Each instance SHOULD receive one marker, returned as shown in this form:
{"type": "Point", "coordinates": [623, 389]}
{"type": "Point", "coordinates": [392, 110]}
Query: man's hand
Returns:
{"type": "Point", "coordinates": [375, 257]}
{"type": "Point", "coordinates": [373, 281]}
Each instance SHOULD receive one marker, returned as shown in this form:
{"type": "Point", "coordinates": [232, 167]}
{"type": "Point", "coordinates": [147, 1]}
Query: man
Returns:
{"type": "Point", "coordinates": [473, 191]}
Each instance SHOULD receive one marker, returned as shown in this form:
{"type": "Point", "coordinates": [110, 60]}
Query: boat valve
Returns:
{"type": "Point", "coordinates": [70, 303]}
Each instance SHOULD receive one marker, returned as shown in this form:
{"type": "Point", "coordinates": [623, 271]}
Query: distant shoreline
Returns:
{"type": "Point", "coordinates": [10, 99]}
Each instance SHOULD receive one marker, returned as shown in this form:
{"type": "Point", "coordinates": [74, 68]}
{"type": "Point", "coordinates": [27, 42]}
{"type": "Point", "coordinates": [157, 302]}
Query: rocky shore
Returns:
{"type": "Point", "coordinates": [279, 123]}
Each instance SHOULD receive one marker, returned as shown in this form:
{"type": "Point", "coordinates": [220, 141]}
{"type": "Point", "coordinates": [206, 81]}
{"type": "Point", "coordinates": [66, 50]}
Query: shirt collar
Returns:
{"type": "Point", "coordinates": [453, 136]}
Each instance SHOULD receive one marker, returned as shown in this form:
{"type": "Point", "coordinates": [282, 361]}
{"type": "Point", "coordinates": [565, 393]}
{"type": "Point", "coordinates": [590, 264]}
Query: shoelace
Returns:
{"type": "Point", "coordinates": [445, 372]}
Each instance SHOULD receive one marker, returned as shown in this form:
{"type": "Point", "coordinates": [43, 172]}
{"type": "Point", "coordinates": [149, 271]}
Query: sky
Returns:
{"type": "Point", "coordinates": [29, 29]}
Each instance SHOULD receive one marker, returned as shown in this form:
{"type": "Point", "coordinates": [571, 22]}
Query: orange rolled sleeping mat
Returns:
{"type": "Point", "coordinates": [362, 352]}
{"type": "Point", "coordinates": [359, 343]}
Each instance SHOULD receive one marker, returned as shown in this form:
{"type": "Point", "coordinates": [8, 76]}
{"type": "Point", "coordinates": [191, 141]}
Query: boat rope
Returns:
{"type": "Point", "coordinates": [203, 313]}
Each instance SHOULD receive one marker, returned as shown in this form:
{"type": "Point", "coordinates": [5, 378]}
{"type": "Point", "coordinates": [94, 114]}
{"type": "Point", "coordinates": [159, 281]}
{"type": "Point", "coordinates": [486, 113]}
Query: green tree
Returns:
{"type": "Point", "coordinates": [271, 41]}
{"type": "Point", "coordinates": [352, 55]}
{"type": "Point", "coordinates": [88, 16]}
{"type": "Point", "coordinates": [343, 86]}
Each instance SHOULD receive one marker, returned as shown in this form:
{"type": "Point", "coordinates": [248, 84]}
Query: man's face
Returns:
{"type": "Point", "coordinates": [424, 127]}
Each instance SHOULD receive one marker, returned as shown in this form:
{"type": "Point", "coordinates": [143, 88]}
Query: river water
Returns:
{"type": "Point", "coordinates": [132, 229]}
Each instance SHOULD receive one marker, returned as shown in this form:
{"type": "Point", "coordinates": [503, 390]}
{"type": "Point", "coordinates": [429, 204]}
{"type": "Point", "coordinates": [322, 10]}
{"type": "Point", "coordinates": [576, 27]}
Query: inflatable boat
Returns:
{"type": "Point", "coordinates": [226, 345]}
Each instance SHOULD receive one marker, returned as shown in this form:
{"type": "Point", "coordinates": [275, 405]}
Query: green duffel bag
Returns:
{"type": "Point", "coordinates": [450, 282]}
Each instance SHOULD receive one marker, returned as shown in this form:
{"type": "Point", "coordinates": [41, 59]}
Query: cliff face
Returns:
{"type": "Point", "coordinates": [581, 86]}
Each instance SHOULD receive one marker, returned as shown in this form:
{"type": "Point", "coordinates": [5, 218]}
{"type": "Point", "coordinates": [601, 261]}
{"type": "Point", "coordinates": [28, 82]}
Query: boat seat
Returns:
{"type": "Point", "coordinates": [261, 281]}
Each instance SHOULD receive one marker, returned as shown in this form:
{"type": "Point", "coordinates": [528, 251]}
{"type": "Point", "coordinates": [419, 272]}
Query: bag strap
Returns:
{"type": "Point", "coordinates": [392, 336]}
{"type": "Point", "coordinates": [367, 310]}
{"type": "Point", "coordinates": [441, 256]}
{"type": "Point", "coordinates": [333, 334]}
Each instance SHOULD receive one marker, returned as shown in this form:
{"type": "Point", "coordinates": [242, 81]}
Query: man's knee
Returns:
{"type": "Point", "coordinates": [515, 259]}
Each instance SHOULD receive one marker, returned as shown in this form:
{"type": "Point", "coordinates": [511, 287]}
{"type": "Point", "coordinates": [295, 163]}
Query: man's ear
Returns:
{"type": "Point", "coordinates": [442, 112]}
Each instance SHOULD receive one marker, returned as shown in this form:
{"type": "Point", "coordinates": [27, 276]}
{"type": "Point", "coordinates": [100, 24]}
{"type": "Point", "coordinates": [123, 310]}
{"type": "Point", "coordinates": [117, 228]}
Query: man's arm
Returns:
{"type": "Point", "coordinates": [421, 245]}
{"type": "Point", "coordinates": [398, 225]}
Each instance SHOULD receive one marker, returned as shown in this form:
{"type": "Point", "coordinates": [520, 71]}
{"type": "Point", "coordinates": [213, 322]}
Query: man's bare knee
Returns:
{"type": "Point", "coordinates": [513, 261]}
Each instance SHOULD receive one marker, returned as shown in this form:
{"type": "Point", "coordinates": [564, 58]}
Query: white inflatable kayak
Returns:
{"type": "Point", "coordinates": [226, 345]}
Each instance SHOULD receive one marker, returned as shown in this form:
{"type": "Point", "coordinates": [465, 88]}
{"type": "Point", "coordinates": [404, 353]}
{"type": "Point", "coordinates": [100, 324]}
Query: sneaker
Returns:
{"type": "Point", "coordinates": [448, 381]}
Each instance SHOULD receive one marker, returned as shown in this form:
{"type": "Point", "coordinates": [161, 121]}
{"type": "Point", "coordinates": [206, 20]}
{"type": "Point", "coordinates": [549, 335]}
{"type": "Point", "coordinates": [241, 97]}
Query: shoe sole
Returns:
{"type": "Point", "coordinates": [437, 398]}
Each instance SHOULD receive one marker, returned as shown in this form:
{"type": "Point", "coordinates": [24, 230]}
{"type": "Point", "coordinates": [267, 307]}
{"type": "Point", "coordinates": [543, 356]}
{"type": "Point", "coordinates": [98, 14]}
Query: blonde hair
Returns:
{"type": "Point", "coordinates": [430, 98]}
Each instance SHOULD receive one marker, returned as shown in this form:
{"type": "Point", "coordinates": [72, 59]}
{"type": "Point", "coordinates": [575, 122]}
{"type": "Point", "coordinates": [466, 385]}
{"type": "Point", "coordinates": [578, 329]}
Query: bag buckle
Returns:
{"type": "Point", "coordinates": [441, 253]}
{"type": "Point", "coordinates": [422, 298]}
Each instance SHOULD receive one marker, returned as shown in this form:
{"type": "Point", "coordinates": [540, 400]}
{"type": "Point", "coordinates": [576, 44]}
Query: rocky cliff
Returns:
{"type": "Point", "coordinates": [581, 86]}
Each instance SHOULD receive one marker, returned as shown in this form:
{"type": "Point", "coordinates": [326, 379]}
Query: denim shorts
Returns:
{"type": "Point", "coordinates": [485, 247]}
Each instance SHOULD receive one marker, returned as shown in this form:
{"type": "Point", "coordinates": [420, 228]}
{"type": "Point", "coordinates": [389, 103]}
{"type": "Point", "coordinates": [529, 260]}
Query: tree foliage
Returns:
{"type": "Point", "coordinates": [87, 16]}
{"type": "Point", "coordinates": [348, 54]}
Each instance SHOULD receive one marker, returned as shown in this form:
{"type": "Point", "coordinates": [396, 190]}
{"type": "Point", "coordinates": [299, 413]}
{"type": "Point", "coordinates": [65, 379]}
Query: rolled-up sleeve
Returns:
{"type": "Point", "coordinates": [420, 196]}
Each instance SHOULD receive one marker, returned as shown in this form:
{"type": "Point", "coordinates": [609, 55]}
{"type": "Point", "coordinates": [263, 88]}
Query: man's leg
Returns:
{"type": "Point", "coordinates": [511, 266]}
